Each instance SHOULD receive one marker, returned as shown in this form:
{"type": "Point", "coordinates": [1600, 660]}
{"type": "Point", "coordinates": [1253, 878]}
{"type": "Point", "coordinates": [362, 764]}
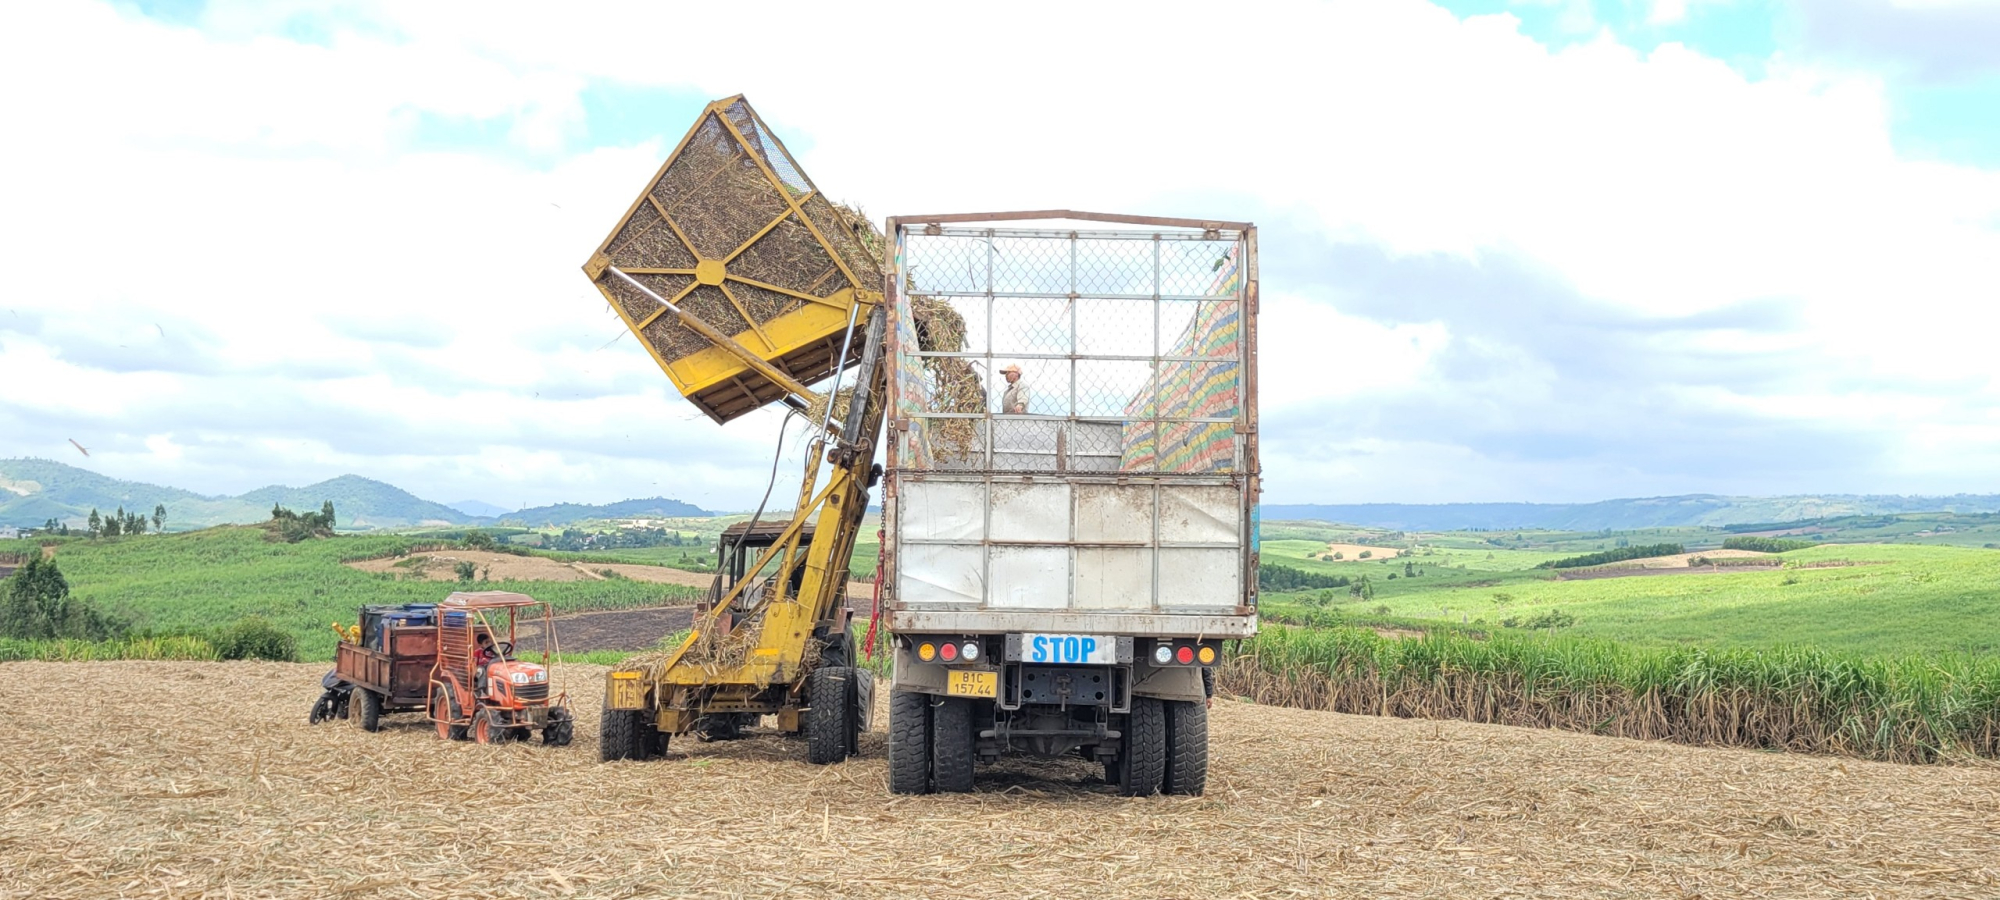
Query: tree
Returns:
{"type": "Point", "coordinates": [159, 516]}
{"type": "Point", "coordinates": [114, 524]}
{"type": "Point", "coordinates": [38, 606]}
{"type": "Point", "coordinates": [96, 523]}
{"type": "Point", "coordinates": [1409, 570]}
{"type": "Point", "coordinates": [465, 570]}
{"type": "Point", "coordinates": [326, 515]}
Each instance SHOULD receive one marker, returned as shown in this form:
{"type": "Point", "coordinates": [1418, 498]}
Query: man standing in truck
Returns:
{"type": "Point", "coordinates": [1015, 401]}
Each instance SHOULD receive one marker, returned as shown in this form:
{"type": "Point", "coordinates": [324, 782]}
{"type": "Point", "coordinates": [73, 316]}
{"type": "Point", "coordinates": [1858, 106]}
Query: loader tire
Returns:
{"type": "Point", "coordinates": [909, 742]}
{"type": "Point", "coordinates": [952, 745]}
{"type": "Point", "coordinates": [624, 734]}
{"type": "Point", "coordinates": [371, 709]}
{"type": "Point", "coordinates": [1187, 748]}
{"type": "Point", "coordinates": [829, 713]}
{"type": "Point", "coordinates": [1142, 761]}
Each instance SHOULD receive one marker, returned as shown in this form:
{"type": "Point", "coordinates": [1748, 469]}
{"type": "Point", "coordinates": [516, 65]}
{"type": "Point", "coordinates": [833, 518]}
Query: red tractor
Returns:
{"type": "Point", "coordinates": [478, 690]}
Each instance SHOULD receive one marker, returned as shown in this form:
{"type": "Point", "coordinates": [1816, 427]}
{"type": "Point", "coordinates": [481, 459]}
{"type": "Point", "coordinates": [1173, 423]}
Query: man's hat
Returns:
{"type": "Point", "coordinates": [1014, 369]}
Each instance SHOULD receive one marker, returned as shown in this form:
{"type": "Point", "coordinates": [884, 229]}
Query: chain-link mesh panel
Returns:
{"type": "Point", "coordinates": [1125, 348]}
{"type": "Point", "coordinates": [637, 306]}
{"type": "Point", "coordinates": [647, 243]}
{"type": "Point", "coordinates": [790, 257]}
{"type": "Point", "coordinates": [768, 149]}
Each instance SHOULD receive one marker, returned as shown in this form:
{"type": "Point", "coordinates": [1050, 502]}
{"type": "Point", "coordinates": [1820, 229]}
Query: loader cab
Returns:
{"type": "Point", "coordinates": [733, 561]}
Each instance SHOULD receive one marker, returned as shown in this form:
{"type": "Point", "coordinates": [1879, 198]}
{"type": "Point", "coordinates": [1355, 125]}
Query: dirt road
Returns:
{"type": "Point", "coordinates": [120, 793]}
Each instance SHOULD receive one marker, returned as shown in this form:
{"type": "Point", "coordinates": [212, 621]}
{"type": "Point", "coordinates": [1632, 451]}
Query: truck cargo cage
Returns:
{"type": "Point", "coordinates": [1124, 480]}
{"type": "Point", "coordinates": [732, 235]}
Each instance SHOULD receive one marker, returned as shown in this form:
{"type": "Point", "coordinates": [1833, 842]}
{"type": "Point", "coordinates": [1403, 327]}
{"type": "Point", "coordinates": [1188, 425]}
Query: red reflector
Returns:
{"type": "Point", "coordinates": [1185, 655]}
{"type": "Point", "coordinates": [948, 651]}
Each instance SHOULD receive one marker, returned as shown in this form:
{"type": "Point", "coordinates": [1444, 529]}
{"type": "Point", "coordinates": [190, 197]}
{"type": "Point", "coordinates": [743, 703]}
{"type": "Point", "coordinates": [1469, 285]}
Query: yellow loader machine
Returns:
{"type": "Point", "coordinates": [1066, 404]}
{"type": "Point", "coordinates": [746, 284]}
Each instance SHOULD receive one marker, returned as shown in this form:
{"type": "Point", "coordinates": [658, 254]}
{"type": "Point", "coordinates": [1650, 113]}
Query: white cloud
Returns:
{"type": "Point", "coordinates": [269, 190]}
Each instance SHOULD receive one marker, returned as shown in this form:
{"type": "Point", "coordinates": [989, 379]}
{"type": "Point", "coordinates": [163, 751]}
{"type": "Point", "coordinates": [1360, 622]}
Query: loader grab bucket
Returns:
{"type": "Point", "coordinates": [732, 233]}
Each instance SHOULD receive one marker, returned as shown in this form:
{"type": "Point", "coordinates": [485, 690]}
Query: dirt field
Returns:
{"type": "Point", "coordinates": [203, 780]}
{"type": "Point", "coordinates": [437, 566]}
{"type": "Point", "coordinates": [1681, 560]}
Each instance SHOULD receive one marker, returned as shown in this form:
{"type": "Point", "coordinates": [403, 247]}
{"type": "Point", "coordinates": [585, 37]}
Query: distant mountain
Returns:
{"type": "Point", "coordinates": [478, 508]}
{"type": "Point", "coordinates": [360, 503]}
{"type": "Point", "coordinates": [1620, 515]}
{"type": "Point", "coordinates": [654, 508]}
{"type": "Point", "coordinates": [33, 491]}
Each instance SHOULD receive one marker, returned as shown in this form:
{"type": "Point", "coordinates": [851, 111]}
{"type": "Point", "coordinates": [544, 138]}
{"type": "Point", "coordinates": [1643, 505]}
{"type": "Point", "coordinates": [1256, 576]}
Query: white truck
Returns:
{"type": "Point", "coordinates": [1070, 489]}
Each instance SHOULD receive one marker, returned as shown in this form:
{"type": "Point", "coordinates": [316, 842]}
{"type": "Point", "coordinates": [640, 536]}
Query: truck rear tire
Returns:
{"type": "Point", "coordinates": [1187, 747]}
{"type": "Point", "coordinates": [829, 713]}
{"type": "Point", "coordinates": [371, 709]}
{"type": "Point", "coordinates": [1142, 763]}
{"type": "Point", "coordinates": [909, 742]}
{"type": "Point", "coordinates": [951, 746]}
{"type": "Point", "coordinates": [624, 734]}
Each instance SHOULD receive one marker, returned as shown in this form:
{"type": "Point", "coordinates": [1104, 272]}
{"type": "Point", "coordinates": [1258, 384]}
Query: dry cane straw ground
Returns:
{"type": "Point", "coordinates": [202, 779]}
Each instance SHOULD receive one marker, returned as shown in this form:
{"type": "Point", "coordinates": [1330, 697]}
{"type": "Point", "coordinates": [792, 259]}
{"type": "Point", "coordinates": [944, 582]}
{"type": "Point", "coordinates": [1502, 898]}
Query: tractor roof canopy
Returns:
{"type": "Point", "coordinates": [487, 600]}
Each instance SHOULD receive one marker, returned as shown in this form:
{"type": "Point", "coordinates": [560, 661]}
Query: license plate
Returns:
{"type": "Point", "coordinates": [961, 683]}
{"type": "Point", "coordinates": [1070, 649]}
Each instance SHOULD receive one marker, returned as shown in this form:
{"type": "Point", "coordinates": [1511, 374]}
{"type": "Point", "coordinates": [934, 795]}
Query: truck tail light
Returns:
{"type": "Point", "coordinates": [1163, 654]}
{"type": "Point", "coordinates": [971, 651]}
{"type": "Point", "coordinates": [927, 651]}
{"type": "Point", "coordinates": [948, 652]}
{"type": "Point", "coordinates": [1184, 655]}
{"type": "Point", "coordinates": [1207, 655]}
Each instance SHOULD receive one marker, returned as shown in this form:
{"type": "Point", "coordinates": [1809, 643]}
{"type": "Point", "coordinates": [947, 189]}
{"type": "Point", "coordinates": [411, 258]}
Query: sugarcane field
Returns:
{"type": "Point", "coordinates": [1326, 448]}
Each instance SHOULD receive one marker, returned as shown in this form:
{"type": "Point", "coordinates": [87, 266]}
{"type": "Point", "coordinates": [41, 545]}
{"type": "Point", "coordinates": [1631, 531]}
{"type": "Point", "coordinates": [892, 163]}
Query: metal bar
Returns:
{"type": "Point", "coordinates": [755, 362]}
{"type": "Point", "coordinates": [1039, 295]}
{"type": "Point", "coordinates": [761, 232]}
{"type": "Point", "coordinates": [1106, 357]}
{"type": "Point", "coordinates": [755, 328]}
{"type": "Point", "coordinates": [665, 305]}
{"type": "Point", "coordinates": [840, 368]}
{"type": "Point", "coordinates": [1226, 235]}
{"type": "Point", "coordinates": [673, 226]}
{"type": "Point", "coordinates": [801, 295]}
{"type": "Point", "coordinates": [647, 271]}
{"type": "Point", "coordinates": [1031, 215]}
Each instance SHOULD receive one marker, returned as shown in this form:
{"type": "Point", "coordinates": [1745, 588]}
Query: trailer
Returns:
{"type": "Point", "coordinates": [389, 669]}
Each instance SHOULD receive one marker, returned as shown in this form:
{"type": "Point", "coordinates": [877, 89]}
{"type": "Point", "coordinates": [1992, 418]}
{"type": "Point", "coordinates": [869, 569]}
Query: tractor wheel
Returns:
{"type": "Point", "coordinates": [829, 713]}
{"type": "Point", "coordinates": [624, 734]}
{"type": "Point", "coordinates": [1187, 748]}
{"type": "Point", "coordinates": [1142, 760]}
{"type": "Point", "coordinates": [861, 696]}
{"type": "Point", "coordinates": [952, 745]}
{"type": "Point", "coordinates": [371, 709]}
{"type": "Point", "coordinates": [487, 729]}
{"type": "Point", "coordinates": [559, 730]}
{"type": "Point", "coordinates": [444, 710]}
{"type": "Point", "coordinates": [909, 742]}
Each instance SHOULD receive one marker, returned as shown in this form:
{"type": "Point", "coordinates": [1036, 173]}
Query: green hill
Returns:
{"type": "Point", "coordinates": [32, 491]}
{"type": "Point", "coordinates": [651, 508]}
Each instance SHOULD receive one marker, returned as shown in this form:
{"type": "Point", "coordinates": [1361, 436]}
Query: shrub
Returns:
{"type": "Point", "coordinates": [37, 606]}
{"type": "Point", "coordinates": [1551, 620]}
{"type": "Point", "coordinates": [1611, 556]}
{"type": "Point", "coordinates": [1285, 578]}
{"type": "Point", "coordinates": [465, 570]}
{"type": "Point", "coordinates": [1366, 553]}
{"type": "Point", "coordinates": [254, 637]}
{"type": "Point", "coordinates": [477, 540]}
{"type": "Point", "coordinates": [1765, 544]}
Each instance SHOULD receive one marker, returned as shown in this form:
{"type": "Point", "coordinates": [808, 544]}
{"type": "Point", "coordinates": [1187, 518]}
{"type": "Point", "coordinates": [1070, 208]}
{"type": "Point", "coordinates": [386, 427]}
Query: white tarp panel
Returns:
{"type": "Point", "coordinates": [1114, 513]}
{"type": "Point", "coordinates": [1029, 577]}
{"type": "Point", "coordinates": [1199, 577]}
{"type": "Point", "coordinates": [940, 573]}
{"type": "Point", "coordinates": [1037, 513]}
{"type": "Point", "coordinates": [1113, 578]}
{"type": "Point", "coordinates": [941, 511]}
{"type": "Point", "coordinates": [1200, 514]}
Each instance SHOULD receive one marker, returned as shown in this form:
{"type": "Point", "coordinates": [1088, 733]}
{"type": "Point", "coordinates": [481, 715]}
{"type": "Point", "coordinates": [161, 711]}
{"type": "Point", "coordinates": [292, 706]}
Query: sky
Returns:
{"type": "Point", "coordinates": [1513, 250]}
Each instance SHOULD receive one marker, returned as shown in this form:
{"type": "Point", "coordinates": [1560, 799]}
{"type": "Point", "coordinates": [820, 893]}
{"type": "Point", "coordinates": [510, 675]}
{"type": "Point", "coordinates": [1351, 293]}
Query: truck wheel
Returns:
{"type": "Point", "coordinates": [1142, 761]}
{"type": "Point", "coordinates": [951, 746]}
{"type": "Point", "coordinates": [909, 742]}
{"type": "Point", "coordinates": [1187, 747]}
{"type": "Point", "coordinates": [828, 713]}
{"type": "Point", "coordinates": [371, 709]}
{"type": "Point", "coordinates": [623, 734]}
{"type": "Point", "coordinates": [862, 699]}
